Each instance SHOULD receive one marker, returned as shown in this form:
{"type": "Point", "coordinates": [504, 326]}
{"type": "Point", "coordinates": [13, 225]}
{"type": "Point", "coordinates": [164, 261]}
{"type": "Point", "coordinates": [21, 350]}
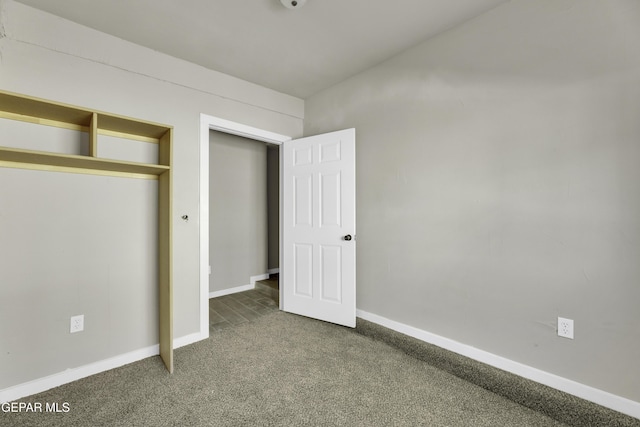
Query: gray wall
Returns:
{"type": "Point", "coordinates": [237, 210]}
{"type": "Point", "coordinates": [498, 185]}
{"type": "Point", "coordinates": [125, 79]}
{"type": "Point", "coordinates": [56, 261]}
{"type": "Point", "coordinates": [273, 205]}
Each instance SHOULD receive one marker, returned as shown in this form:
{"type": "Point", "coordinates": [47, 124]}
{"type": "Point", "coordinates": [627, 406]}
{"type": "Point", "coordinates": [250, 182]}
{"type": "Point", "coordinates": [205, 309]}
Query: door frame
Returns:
{"type": "Point", "coordinates": [209, 123]}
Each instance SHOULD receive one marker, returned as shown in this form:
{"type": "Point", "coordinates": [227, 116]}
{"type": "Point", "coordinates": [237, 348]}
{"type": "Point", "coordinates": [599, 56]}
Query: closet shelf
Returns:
{"type": "Point", "coordinates": [80, 162]}
{"type": "Point", "coordinates": [39, 111]}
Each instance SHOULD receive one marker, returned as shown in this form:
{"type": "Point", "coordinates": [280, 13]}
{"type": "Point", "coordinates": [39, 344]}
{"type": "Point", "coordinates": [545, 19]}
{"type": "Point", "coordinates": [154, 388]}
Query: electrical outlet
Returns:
{"type": "Point", "coordinates": [565, 327]}
{"type": "Point", "coordinates": [77, 324]}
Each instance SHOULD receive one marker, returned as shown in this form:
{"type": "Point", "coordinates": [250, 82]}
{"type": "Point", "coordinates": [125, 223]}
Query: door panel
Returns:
{"type": "Point", "coordinates": [318, 264]}
{"type": "Point", "coordinates": [330, 273]}
{"type": "Point", "coordinates": [330, 198]}
{"type": "Point", "coordinates": [302, 204]}
{"type": "Point", "coordinates": [303, 270]}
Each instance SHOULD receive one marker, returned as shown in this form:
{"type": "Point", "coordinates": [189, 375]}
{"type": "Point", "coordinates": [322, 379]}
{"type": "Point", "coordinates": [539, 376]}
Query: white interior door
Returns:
{"type": "Point", "coordinates": [318, 277]}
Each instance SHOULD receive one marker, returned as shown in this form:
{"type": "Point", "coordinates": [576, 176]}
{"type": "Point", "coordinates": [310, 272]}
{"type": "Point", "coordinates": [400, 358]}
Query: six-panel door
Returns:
{"type": "Point", "coordinates": [318, 263]}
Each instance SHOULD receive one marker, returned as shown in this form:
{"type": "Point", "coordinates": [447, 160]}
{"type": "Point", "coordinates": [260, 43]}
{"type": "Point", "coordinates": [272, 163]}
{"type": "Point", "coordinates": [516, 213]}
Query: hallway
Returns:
{"type": "Point", "coordinates": [243, 307]}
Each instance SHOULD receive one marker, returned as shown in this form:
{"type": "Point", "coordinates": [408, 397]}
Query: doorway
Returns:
{"type": "Point", "coordinates": [239, 216]}
{"type": "Point", "coordinates": [317, 192]}
{"type": "Point", "coordinates": [208, 123]}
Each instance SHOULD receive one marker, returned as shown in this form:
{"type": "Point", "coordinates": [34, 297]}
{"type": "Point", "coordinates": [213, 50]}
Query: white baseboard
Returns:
{"type": "Point", "coordinates": [189, 339]}
{"type": "Point", "coordinates": [603, 398]}
{"type": "Point", "coordinates": [259, 277]}
{"type": "Point", "coordinates": [230, 291]}
{"type": "Point", "coordinates": [273, 271]}
{"type": "Point", "coordinates": [70, 375]}
{"type": "Point", "coordinates": [43, 384]}
{"type": "Point", "coordinates": [251, 285]}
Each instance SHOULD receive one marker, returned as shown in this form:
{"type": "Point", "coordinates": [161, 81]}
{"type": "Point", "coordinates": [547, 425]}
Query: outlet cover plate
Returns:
{"type": "Point", "coordinates": [565, 327]}
{"type": "Point", "coordinates": [76, 324]}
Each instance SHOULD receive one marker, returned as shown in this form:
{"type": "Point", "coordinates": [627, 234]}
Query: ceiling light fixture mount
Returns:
{"type": "Point", "coordinates": [293, 4]}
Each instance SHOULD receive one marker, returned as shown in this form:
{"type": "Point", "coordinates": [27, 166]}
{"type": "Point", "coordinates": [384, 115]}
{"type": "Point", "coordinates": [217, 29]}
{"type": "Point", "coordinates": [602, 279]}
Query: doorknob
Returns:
{"type": "Point", "coordinates": [347, 237]}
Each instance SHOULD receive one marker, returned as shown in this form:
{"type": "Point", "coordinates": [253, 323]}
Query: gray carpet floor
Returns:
{"type": "Point", "coordinates": [280, 370]}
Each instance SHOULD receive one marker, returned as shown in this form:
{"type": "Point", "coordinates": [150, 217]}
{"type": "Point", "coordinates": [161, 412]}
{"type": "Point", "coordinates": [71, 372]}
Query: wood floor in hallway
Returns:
{"type": "Point", "coordinates": [242, 307]}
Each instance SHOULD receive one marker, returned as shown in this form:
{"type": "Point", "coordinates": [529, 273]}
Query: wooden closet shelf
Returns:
{"type": "Point", "coordinates": [33, 107]}
{"type": "Point", "coordinates": [82, 162]}
{"type": "Point", "coordinates": [40, 111]}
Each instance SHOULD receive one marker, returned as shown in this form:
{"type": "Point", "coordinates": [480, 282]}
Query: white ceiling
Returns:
{"type": "Point", "coordinates": [298, 52]}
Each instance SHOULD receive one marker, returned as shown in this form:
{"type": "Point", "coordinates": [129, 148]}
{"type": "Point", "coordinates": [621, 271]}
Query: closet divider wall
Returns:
{"type": "Point", "coordinates": [42, 112]}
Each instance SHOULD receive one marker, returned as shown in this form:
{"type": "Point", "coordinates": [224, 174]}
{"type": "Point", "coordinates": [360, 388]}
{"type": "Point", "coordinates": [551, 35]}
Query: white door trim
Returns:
{"type": "Point", "coordinates": [208, 123]}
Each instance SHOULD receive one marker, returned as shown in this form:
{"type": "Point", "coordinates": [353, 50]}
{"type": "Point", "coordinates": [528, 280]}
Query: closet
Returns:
{"type": "Point", "coordinates": [94, 123]}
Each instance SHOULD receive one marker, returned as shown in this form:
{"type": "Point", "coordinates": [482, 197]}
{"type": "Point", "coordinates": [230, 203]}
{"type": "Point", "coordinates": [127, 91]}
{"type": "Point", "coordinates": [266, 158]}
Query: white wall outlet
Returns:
{"type": "Point", "coordinates": [565, 327]}
{"type": "Point", "coordinates": [209, 269]}
{"type": "Point", "coordinates": [77, 324]}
